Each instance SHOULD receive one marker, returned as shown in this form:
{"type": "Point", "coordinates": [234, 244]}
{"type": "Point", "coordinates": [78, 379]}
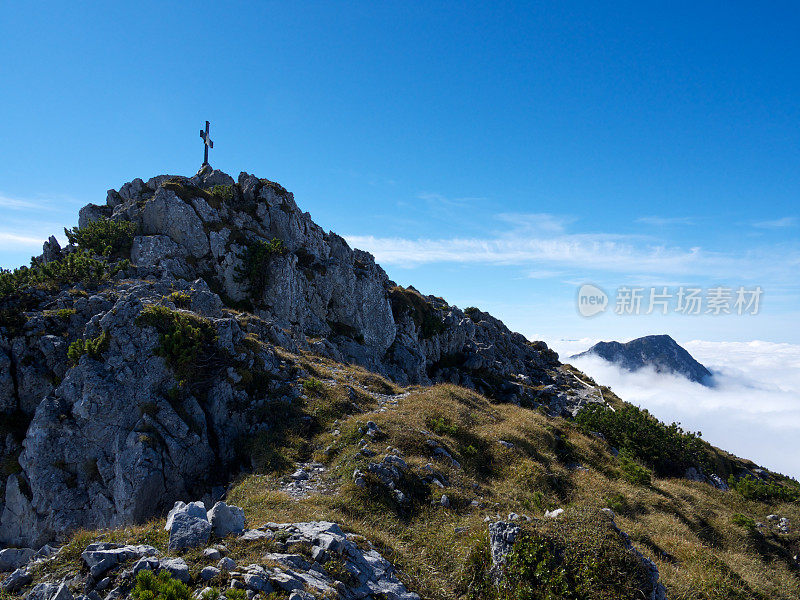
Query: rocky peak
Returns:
{"type": "Point", "coordinates": [138, 357]}
{"type": "Point", "coordinates": [659, 352]}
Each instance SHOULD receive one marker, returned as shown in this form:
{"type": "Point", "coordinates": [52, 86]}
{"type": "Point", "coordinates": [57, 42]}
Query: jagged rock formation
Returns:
{"type": "Point", "coordinates": [659, 352]}
{"type": "Point", "coordinates": [180, 356]}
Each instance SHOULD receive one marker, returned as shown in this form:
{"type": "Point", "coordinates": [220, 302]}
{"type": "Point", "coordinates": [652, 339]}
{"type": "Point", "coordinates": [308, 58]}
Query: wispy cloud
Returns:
{"type": "Point", "coordinates": [542, 243]}
{"type": "Point", "coordinates": [19, 203]}
{"type": "Point", "coordinates": [777, 223]}
{"type": "Point", "coordinates": [665, 221]}
{"type": "Point", "coordinates": [13, 241]}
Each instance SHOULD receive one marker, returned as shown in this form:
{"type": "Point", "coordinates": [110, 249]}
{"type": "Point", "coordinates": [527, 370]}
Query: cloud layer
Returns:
{"type": "Point", "coordinates": [543, 242]}
{"type": "Point", "coordinates": [753, 411]}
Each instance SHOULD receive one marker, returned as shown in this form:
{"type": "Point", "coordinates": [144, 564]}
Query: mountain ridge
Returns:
{"type": "Point", "coordinates": [202, 339]}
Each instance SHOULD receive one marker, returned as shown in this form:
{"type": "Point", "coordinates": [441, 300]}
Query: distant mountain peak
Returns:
{"type": "Point", "coordinates": [659, 352]}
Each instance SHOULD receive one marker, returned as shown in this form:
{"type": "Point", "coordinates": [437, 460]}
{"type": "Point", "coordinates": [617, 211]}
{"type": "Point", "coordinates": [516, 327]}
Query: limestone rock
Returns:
{"type": "Point", "coordinates": [176, 567]}
{"type": "Point", "coordinates": [101, 557]}
{"type": "Point", "coordinates": [226, 520]}
{"type": "Point", "coordinates": [12, 559]}
{"type": "Point", "coordinates": [166, 214]}
{"type": "Point", "coordinates": [193, 509]}
{"type": "Point", "coordinates": [188, 532]}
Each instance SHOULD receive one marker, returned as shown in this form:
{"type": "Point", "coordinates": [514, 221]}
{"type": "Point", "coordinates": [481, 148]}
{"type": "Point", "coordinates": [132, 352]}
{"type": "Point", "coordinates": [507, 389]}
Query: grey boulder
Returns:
{"type": "Point", "coordinates": [101, 557]}
{"type": "Point", "coordinates": [12, 559]}
{"type": "Point", "coordinates": [226, 520]}
{"type": "Point", "coordinates": [176, 567]}
{"type": "Point", "coordinates": [188, 531]}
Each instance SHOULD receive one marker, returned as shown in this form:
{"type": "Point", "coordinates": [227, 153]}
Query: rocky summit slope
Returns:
{"type": "Point", "coordinates": [202, 348]}
{"type": "Point", "coordinates": [659, 352]}
{"type": "Point", "coordinates": [233, 271]}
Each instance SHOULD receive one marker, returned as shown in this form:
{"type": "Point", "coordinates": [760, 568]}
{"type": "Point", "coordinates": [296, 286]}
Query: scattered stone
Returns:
{"type": "Point", "coordinates": [718, 482]}
{"type": "Point", "coordinates": [12, 559]}
{"type": "Point", "coordinates": [226, 564]}
{"type": "Point", "coordinates": [193, 509]}
{"type": "Point", "coordinates": [101, 585]}
{"type": "Point", "coordinates": [50, 591]}
{"type": "Point", "coordinates": [176, 567]}
{"type": "Point", "coordinates": [212, 554]}
{"type": "Point", "coordinates": [209, 573]}
{"type": "Point", "coordinates": [255, 534]}
{"type": "Point", "coordinates": [188, 531]}
{"type": "Point", "coordinates": [226, 520]}
{"type": "Point", "coordinates": [257, 583]}
{"type": "Point", "coordinates": [552, 514]}
{"type": "Point", "coordinates": [16, 580]}
{"type": "Point", "coordinates": [505, 444]}
{"type": "Point", "coordinates": [103, 556]}
{"type": "Point", "coordinates": [445, 501]}
{"type": "Point", "coordinates": [300, 475]}
{"type": "Point", "coordinates": [502, 536]}
{"type": "Point", "coordinates": [148, 563]}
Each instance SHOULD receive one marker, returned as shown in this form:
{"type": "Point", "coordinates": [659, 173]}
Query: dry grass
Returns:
{"type": "Point", "coordinates": [685, 527]}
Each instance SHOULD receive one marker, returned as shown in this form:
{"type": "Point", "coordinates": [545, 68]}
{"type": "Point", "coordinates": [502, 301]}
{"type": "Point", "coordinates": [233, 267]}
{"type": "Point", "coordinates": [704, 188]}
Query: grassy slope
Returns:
{"type": "Point", "coordinates": [685, 527]}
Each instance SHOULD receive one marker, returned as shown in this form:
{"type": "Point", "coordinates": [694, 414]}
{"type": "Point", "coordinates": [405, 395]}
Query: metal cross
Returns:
{"type": "Point", "coordinates": [207, 142]}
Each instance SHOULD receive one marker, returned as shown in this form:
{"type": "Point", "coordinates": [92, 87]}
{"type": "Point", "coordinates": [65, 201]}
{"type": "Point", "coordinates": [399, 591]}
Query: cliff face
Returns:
{"type": "Point", "coordinates": [659, 352]}
{"type": "Point", "coordinates": [140, 380]}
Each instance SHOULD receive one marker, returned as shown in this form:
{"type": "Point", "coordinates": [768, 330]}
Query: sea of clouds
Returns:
{"type": "Point", "coordinates": [753, 409]}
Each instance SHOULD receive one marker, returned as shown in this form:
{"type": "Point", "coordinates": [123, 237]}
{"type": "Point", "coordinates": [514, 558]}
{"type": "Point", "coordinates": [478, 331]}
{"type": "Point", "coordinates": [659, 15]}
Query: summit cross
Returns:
{"type": "Point", "coordinates": [207, 142]}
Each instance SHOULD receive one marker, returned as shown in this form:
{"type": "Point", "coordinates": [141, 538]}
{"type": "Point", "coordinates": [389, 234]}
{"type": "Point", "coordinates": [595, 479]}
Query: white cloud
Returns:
{"type": "Point", "coordinates": [13, 241]}
{"type": "Point", "coordinates": [753, 411]}
{"type": "Point", "coordinates": [597, 253]}
{"type": "Point", "coordinates": [8, 202]}
{"type": "Point", "coordinates": [777, 223]}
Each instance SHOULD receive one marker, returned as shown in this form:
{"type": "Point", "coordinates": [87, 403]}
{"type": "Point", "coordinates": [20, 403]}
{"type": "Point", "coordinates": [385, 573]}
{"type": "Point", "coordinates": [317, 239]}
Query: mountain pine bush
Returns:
{"type": "Point", "coordinates": [103, 237]}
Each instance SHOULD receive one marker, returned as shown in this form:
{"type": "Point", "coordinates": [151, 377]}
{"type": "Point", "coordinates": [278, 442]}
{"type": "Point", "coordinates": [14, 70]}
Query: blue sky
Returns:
{"type": "Point", "coordinates": [496, 156]}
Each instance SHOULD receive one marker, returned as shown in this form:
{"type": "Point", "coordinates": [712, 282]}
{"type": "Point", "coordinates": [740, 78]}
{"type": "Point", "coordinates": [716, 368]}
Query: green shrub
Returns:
{"type": "Point", "coordinates": [668, 449]}
{"type": "Point", "coordinates": [633, 472]}
{"type": "Point", "coordinates": [235, 594]}
{"type": "Point", "coordinates": [766, 491]}
{"type": "Point", "coordinates": [159, 587]}
{"type": "Point", "coordinates": [441, 425]}
{"type": "Point", "coordinates": [94, 347]}
{"type": "Point", "coordinates": [180, 299]}
{"type": "Point", "coordinates": [221, 194]}
{"type": "Point", "coordinates": [313, 386]}
{"type": "Point", "coordinates": [576, 557]}
{"type": "Point", "coordinates": [425, 316]}
{"type": "Point", "coordinates": [211, 593]}
{"type": "Point", "coordinates": [473, 313]}
{"type": "Point", "coordinates": [77, 267]}
{"type": "Point", "coordinates": [255, 259]}
{"type": "Point", "coordinates": [744, 521]}
{"type": "Point", "coordinates": [532, 571]}
{"type": "Point", "coordinates": [184, 338]}
{"type": "Point", "coordinates": [103, 236]}
{"type": "Point", "coordinates": [65, 314]}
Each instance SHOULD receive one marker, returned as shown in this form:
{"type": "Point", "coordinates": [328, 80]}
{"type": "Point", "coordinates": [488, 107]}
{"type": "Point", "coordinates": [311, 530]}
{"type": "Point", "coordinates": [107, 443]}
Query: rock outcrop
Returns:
{"type": "Point", "coordinates": [120, 429]}
{"type": "Point", "coordinates": [659, 352]}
